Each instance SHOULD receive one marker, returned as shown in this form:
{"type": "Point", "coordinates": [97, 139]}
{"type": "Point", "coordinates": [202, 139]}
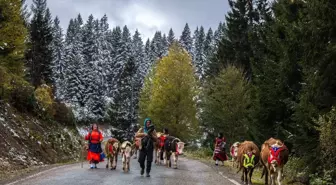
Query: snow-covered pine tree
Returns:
{"type": "Point", "coordinates": [171, 37]}
{"type": "Point", "coordinates": [186, 39]}
{"type": "Point", "coordinates": [157, 46]}
{"type": "Point", "coordinates": [199, 55]}
{"type": "Point", "coordinates": [116, 64]}
{"type": "Point", "coordinates": [209, 45]}
{"type": "Point", "coordinates": [58, 63]}
{"type": "Point", "coordinates": [95, 87]}
{"type": "Point", "coordinates": [148, 55]}
{"type": "Point", "coordinates": [165, 45]}
{"type": "Point", "coordinates": [140, 68]}
{"type": "Point", "coordinates": [120, 109]}
{"type": "Point", "coordinates": [219, 33]}
{"type": "Point", "coordinates": [74, 93]}
{"type": "Point", "coordinates": [106, 49]}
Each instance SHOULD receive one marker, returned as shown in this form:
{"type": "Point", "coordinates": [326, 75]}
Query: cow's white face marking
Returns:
{"type": "Point", "coordinates": [180, 147]}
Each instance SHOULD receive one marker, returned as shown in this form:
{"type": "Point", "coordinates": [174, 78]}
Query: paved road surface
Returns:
{"type": "Point", "coordinates": [190, 172]}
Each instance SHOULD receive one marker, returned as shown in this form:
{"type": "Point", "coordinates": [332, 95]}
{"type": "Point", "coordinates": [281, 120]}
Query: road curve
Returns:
{"type": "Point", "coordinates": [189, 172]}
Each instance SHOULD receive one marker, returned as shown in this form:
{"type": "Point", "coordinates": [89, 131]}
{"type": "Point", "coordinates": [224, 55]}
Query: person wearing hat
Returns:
{"type": "Point", "coordinates": [148, 135]}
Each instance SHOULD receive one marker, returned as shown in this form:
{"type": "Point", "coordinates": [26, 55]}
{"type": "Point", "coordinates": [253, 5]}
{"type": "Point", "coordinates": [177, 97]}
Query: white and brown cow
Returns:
{"type": "Point", "coordinates": [173, 147]}
{"type": "Point", "coordinates": [274, 155]}
{"type": "Point", "coordinates": [234, 154]}
{"type": "Point", "coordinates": [126, 150]}
{"type": "Point", "coordinates": [111, 152]}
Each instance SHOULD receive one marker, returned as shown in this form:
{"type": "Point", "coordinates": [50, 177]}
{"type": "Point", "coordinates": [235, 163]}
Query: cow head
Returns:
{"type": "Point", "coordinates": [180, 147]}
{"type": "Point", "coordinates": [115, 147]}
{"type": "Point", "coordinates": [234, 149]}
{"type": "Point", "coordinates": [277, 154]}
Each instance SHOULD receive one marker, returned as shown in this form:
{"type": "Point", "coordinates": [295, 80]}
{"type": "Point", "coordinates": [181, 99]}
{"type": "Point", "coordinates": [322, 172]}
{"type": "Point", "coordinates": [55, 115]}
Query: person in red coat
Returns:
{"type": "Point", "coordinates": [95, 138]}
{"type": "Point", "coordinates": [219, 152]}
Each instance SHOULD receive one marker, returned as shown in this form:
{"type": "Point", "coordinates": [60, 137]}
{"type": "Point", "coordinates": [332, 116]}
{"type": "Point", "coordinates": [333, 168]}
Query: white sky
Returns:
{"type": "Point", "coordinates": [147, 16]}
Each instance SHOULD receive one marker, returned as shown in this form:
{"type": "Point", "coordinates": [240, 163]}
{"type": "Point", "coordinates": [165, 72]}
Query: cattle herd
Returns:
{"type": "Point", "coordinates": [273, 156]}
{"type": "Point", "coordinates": [113, 148]}
{"type": "Point", "coordinates": [246, 156]}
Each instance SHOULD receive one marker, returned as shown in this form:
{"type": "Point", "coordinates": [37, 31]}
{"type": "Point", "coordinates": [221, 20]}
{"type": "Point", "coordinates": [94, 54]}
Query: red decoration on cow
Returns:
{"type": "Point", "coordinates": [219, 152]}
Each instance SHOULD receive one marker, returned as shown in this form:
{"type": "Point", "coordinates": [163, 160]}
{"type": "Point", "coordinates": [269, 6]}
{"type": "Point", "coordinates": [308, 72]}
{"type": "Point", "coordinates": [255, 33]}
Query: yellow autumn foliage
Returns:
{"type": "Point", "coordinates": [44, 98]}
{"type": "Point", "coordinates": [168, 97]}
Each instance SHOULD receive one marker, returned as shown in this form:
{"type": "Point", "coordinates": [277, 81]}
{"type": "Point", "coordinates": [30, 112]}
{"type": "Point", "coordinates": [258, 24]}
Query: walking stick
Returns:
{"type": "Point", "coordinates": [81, 156]}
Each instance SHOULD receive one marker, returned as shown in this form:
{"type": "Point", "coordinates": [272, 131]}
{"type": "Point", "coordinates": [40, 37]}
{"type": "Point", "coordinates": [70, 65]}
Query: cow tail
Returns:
{"type": "Point", "coordinates": [241, 167]}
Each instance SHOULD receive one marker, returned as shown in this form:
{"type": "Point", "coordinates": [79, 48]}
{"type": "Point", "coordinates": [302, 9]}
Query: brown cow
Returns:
{"type": "Point", "coordinates": [274, 155]}
{"type": "Point", "coordinates": [111, 151]}
{"type": "Point", "coordinates": [248, 157]}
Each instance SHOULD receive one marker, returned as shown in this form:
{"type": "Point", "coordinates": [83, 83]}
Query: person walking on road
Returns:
{"type": "Point", "coordinates": [219, 152]}
{"type": "Point", "coordinates": [95, 138]}
{"type": "Point", "coordinates": [148, 135]}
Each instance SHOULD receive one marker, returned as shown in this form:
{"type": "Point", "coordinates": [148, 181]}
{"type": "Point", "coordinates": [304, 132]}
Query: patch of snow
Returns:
{"type": "Point", "coordinates": [2, 119]}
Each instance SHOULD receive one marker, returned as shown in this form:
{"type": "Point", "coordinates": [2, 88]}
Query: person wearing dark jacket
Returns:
{"type": "Point", "coordinates": [148, 135]}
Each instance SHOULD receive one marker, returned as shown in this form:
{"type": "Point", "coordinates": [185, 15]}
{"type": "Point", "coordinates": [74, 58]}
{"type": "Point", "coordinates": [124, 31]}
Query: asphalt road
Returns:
{"type": "Point", "coordinates": [189, 172]}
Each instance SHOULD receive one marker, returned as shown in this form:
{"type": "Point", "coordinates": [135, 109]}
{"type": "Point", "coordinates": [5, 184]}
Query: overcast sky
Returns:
{"type": "Point", "coordinates": [147, 16]}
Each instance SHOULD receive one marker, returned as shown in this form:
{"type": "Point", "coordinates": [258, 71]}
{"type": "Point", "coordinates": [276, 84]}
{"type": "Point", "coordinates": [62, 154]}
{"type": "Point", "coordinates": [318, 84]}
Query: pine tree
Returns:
{"type": "Point", "coordinates": [186, 39]}
{"type": "Point", "coordinates": [209, 47]}
{"type": "Point", "coordinates": [165, 45]}
{"type": "Point", "coordinates": [74, 84]}
{"type": "Point", "coordinates": [199, 54]}
{"type": "Point", "coordinates": [139, 75]}
{"type": "Point", "coordinates": [12, 36]}
{"type": "Point", "coordinates": [40, 52]}
{"type": "Point", "coordinates": [58, 63]}
{"type": "Point", "coordinates": [157, 46]}
{"type": "Point", "coordinates": [317, 39]}
{"type": "Point", "coordinates": [226, 105]}
{"type": "Point", "coordinates": [148, 63]}
{"type": "Point", "coordinates": [171, 37]}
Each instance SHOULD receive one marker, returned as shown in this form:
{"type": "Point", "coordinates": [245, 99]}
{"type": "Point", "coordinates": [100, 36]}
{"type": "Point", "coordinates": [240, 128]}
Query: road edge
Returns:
{"type": "Point", "coordinates": [33, 172]}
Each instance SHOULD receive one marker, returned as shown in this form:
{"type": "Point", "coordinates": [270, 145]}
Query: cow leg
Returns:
{"type": "Point", "coordinates": [242, 177]}
{"type": "Point", "coordinates": [279, 176]}
{"type": "Point", "coordinates": [123, 162]}
{"type": "Point", "coordinates": [175, 159]}
{"type": "Point", "coordinates": [115, 161]}
{"type": "Point", "coordinates": [155, 156]}
{"type": "Point", "coordinates": [128, 164]}
{"type": "Point", "coordinates": [107, 162]}
{"type": "Point", "coordinates": [135, 153]}
{"type": "Point", "coordinates": [250, 176]}
{"type": "Point", "coordinates": [111, 162]}
{"type": "Point", "coordinates": [246, 176]}
{"type": "Point", "coordinates": [165, 158]}
{"type": "Point", "coordinates": [272, 178]}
